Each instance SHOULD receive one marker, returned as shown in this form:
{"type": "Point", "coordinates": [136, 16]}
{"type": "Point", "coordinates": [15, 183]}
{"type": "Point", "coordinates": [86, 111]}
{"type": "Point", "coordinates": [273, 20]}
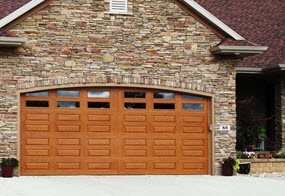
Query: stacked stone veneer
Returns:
{"type": "Point", "coordinates": [279, 111]}
{"type": "Point", "coordinates": [259, 166]}
{"type": "Point", "coordinates": [78, 42]}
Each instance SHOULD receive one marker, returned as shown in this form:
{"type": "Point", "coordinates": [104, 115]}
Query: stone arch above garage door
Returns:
{"type": "Point", "coordinates": [119, 80]}
{"type": "Point", "coordinates": [102, 130]}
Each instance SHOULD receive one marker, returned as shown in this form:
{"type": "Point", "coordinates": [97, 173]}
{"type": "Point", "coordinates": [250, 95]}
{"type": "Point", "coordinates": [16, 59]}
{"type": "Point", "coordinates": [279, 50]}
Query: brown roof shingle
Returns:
{"type": "Point", "coordinates": [260, 21]}
{"type": "Point", "coordinates": [7, 7]}
{"type": "Point", "coordinates": [4, 33]}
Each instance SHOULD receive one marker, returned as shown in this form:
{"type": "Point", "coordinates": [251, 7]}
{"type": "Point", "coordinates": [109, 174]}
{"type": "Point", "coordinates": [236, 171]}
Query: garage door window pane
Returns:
{"type": "Point", "coordinates": [135, 106]}
{"type": "Point", "coordinates": [92, 94]}
{"type": "Point", "coordinates": [64, 93]}
{"type": "Point", "coordinates": [161, 95]}
{"type": "Point", "coordinates": [37, 94]}
{"type": "Point", "coordinates": [135, 95]}
{"type": "Point", "coordinates": [193, 107]}
{"type": "Point", "coordinates": [37, 104]}
{"type": "Point", "coordinates": [164, 106]}
{"type": "Point", "coordinates": [70, 104]}
{"type": "Point", "coordinates": [188, 96]}
{"type": "Point", "coordinates": [99, 105]}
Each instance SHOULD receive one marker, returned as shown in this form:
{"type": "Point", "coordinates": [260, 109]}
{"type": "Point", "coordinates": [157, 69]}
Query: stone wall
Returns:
{"type": "Point", "coordinates": [282, 108]}
{"type": "Point", "coordinates": [279, 113]}
{"type": "Point", "coordinates": [259, 166]}
{"type": "Point", "coordinates": [158, 44]}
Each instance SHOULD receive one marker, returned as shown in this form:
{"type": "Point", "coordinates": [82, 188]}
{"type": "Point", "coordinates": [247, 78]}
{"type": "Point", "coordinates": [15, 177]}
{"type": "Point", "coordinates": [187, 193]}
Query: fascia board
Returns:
{"type": "Point", "coordinates": [213, 19]}
{"type": "Point", "coordinates": [19, 12]}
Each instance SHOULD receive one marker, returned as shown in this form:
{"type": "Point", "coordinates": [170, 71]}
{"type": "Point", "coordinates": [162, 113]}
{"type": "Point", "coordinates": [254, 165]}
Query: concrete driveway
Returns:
{"type": "Point", "coordinates": [140, 186]}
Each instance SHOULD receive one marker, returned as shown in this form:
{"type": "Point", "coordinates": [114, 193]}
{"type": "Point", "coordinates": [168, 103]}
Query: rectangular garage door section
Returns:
{"type": "Point", "coordinates": [113, 131]}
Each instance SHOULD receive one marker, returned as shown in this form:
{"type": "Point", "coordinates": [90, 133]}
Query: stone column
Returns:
{"type": "Point", "coordinates": [283, 112]}
{"type": "Point", "coordinates": [280, 113]}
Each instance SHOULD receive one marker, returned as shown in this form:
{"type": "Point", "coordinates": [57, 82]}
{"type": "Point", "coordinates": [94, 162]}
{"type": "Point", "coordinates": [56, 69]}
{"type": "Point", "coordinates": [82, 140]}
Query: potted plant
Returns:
{"type": "Point", "coordinates": [7, 167]}
{"type": "Point", "coordinates": [229, 165]}
{"type": "Point", "coordinates": [244, 167]}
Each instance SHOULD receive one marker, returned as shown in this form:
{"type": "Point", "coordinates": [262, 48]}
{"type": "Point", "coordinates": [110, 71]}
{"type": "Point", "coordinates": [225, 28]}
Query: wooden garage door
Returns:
{"type": "Point", "coordinates": [113, 131]}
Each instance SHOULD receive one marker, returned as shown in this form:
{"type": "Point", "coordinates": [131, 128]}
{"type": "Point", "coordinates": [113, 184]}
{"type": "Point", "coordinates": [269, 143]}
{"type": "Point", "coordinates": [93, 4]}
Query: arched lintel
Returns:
{"type": "Point", "coordinates": [107, 81]}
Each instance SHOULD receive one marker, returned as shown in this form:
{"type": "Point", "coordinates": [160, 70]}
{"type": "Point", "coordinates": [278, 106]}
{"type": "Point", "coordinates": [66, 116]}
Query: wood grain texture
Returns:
{"type": "Point", "coordinates": [115, 140]}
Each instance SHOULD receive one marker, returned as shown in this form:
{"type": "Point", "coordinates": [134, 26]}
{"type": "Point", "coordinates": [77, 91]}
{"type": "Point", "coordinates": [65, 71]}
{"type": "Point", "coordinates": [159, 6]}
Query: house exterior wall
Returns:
{"type": "Point", "coordinates": [77, 42]}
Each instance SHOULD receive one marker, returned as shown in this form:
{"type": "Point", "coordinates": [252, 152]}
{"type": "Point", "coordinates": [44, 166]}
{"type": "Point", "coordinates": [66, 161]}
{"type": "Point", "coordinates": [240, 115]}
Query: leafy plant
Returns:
{"type": "Point", "coordinates": [10, 161]}
{"type": "Point", "coordinates": [246, 155]}
{"type": "Point", "coordinates": [232, 161]}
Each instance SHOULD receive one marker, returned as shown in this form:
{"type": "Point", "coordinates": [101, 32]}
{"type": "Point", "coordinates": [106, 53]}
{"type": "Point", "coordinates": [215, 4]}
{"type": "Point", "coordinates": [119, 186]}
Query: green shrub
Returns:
{"type": "Point", "coordinates": [10, 161]}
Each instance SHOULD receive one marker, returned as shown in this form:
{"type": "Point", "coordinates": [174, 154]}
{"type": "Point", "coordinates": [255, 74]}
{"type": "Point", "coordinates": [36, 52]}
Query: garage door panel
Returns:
{"type": "Point", "coordinates": [193, 165]}
{"type": "Point", "coordinates": [108, 131]}
{"type": "Point", "coordinates": [100, 118]}
{"type": "Point", "coordinates": [37, 165]}
{"type": "Point", "coordinates": [37, 141]}
{"type": "Point", "coordinates": [164, 142]}
{"type": "Point", "coordinates": [193, 153]}
{"type": "Point", "coordinates": [165, 165]}
{"type": "Point", "coordinates": [193, 142]}
{"type": "Point", "coordinates": [193, 129]}
{"type": "Point", "coordinates": [38, 117]}
{"type": "Point", "coordinates": [68, 117]}
{"type": "Point", "coordinates": [37, 128]}
{"type": "Point", "coordinates": [99, 128]}
{"type": "Point", "coordinates": [165, 119]}
{"type": "Point", "coordinates": [194, 136]}
{"type": "Point", "coordinates": [135, 129]}
{"type": "Point", "coordinates": [68, 152]}
{"type": "Point", "coordinates": [34, 159]}
{"type": "Point", "coordinates": [68, 141]}
{"type": "Point", "coordinates": [37, 122]}
{"type": "Point", "coordinates": [67, 159]}
{"type": "Point", "coordinates": [163, 129]}
{"type": "Point", "coordinates": [99, 152]}
{"type": "Point", "coordinates": [135, 165]}
{"type": "Point", "coordinates": [68, 166]}
{"type": "Point", "coordinates": [99, 141]}
{"type": "Point", "coordinates": [100, 165]}
{"type": "Point", "coordinates": [164, 152]}
{"type": "Point", "coordinates": [68, 128]}
{"type": "Point", "coordinates": [194, 119]}
{"type": "Point", "coordinates": [135, 118]}
{"type": "Point", "coordinates": [37, 152]}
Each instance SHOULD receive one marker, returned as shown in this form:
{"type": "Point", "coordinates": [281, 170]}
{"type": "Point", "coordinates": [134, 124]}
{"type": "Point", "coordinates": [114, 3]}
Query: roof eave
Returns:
{"type": "Point", "coordinates": [238, 50]}
{"type": "Point", "coordinates": [274, 68]}
{"type": "Point", "coordinates": [249, 70]}
{"type": "Point", "coordinates": [213, 20]}
{"type": "Point", "coordinates": [19, 12]}
{"type": "Point", "coordinates": [11, 41]}
{"type": "Point", "coordinates": [256, 70]}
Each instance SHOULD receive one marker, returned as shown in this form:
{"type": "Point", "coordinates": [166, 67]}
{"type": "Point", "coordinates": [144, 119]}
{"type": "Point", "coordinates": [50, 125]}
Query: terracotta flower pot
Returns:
{"type": "Point", "coordinates": [7, 171]}
{"type": "Point", "coordinates": [227, 169]}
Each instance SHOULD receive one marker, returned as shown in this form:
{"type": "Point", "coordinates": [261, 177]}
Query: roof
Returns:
{"type": "Point", "coordinates": [7, 7]}
{"type": "Point", "coordinates": [4, 33]}
{"type": "Point", "coordinates": [261, 22]}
